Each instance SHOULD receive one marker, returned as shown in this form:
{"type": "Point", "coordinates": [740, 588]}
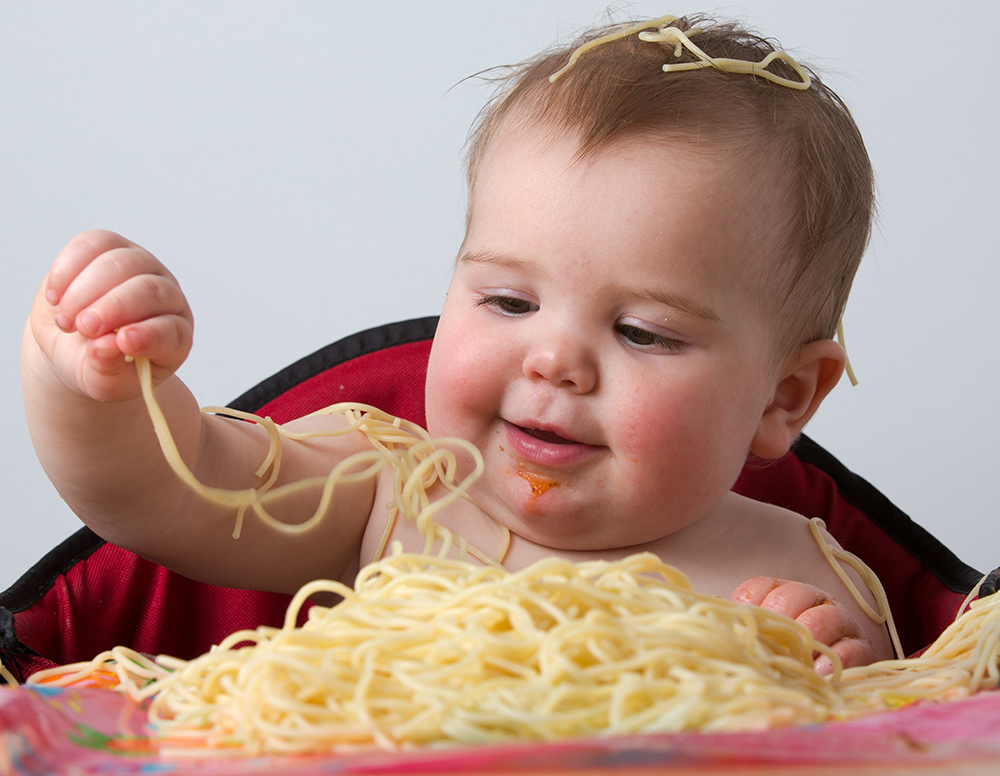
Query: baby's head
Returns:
{"type": "Point", "coordinates": [652, 267]}
{"type": "Point", "coordinates": [802, 145]}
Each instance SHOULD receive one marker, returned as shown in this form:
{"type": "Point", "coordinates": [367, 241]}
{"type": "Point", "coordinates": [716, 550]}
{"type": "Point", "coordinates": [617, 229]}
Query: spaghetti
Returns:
{"type": "Point", "coordinates": [964, 659]}
{"type": "Point", "coordinates": [666, 34]}
{"type": "Point", "coordinates": [427, 650]}
{"type": "Point", "coordinates": [417, 461]}
{"type": "Point", "coordinates": [434, 651]}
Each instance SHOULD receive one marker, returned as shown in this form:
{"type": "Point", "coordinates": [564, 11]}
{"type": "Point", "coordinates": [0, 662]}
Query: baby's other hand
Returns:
{"type": "Point", "coordinates": [827, 619]}
{"type": "Point", "coordinates": [106, 298]}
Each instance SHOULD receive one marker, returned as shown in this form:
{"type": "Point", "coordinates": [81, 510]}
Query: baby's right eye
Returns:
{"type": "Point", "coordinates": [507, 305]}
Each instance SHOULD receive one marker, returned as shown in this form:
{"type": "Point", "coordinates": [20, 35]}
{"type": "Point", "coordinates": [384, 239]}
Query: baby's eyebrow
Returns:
{"type": "Point", "coordinates": [684, 304]}
{"type": "Point", "coordinates": [491, 257]}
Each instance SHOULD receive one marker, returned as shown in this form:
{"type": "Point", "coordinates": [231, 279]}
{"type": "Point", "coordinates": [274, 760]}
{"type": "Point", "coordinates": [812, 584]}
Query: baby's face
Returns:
{"type": "Point", "coordinates": [602, 342]}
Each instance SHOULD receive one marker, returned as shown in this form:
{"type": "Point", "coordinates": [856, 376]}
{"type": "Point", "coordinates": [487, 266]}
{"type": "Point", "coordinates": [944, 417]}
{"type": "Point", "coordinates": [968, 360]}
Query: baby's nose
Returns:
{"type": "Point", "coordinates": [562, 359]}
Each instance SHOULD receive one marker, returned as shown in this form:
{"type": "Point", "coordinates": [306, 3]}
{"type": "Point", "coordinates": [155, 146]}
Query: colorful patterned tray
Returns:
{"type": "Point", "coordinates": [88, 731]}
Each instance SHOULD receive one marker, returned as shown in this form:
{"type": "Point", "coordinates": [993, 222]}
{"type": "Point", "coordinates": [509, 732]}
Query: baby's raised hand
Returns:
{"type": "Point", "coordinates": [827, 619]}
{"type": "Point", "coordinates": [106, 298]}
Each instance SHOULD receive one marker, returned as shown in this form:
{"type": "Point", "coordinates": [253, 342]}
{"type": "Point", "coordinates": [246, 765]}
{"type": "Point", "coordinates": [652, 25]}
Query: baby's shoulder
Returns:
{"type": "Point", "coordinates": [787, 543]}
{"type": "Point", "coordinates": [751, 539]}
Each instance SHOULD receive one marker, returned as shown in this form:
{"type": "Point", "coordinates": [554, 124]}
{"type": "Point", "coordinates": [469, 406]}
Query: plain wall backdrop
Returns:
{"type": "Point", "coordinates": [297, 165]}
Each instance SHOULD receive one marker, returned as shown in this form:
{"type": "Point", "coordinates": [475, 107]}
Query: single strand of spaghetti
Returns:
{"type": "Point", "coordinates": [725, 64]}
{"type": "Point", "coordinates": [361, 707]}
{"type": "Point", "coordinates": [273, 433]}
{"type": "Point", "coordinates": [623, 32]}
{"type": "Point", "coordinates": [447, 540]}
{"type": "Point", "coordinates": [7, 676]}
{"type": "Point", "coordinates": [336, 477]}
{"type": "Point", "coordinates": [847, 364]}
{"type": "Point", "coordinates": [390, 524]}
{"type": "Point", "coordinates": [311, 588]}
{"type": "Point", "coordinates": [221, 496]}
{"type": "Point", "coordinates": [64, 675]}
{"type": "Point", "coordinates": [833, 555]}
{"type": "Point", "coordinates": [749, 68]}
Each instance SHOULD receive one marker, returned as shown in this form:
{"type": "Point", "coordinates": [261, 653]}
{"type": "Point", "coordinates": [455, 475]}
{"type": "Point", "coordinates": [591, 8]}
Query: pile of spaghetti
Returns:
{"type": "Point", "coordinates": [428, 651]}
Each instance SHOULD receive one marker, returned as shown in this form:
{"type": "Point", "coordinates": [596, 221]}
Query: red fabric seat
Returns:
{"type": "Point", "coordinates": [87, 596]}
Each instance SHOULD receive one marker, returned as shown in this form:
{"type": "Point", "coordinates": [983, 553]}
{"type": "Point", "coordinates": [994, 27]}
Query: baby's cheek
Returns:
{"type": "Point", "coordinates": [458, 392]}
{"type": "Point", "coordinates": [647, 433]}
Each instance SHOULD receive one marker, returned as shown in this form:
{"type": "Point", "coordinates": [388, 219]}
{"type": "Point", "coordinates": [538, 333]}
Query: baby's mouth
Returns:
{"type": "Point", "coordinates": [547, 447]}
{"type": "Point", "coordinates": [547, 436]}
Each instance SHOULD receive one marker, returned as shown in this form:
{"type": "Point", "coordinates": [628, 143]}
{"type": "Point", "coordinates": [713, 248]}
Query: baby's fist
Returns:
{"type": "Point", "coordinates": [106, 300]}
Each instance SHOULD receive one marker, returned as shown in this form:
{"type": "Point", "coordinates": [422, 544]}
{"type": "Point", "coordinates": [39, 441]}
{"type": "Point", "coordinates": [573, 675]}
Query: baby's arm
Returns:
{"type": "Point", "coordinates": [106, 298]}
{"type": "Point", "coordinates": [829, 621]}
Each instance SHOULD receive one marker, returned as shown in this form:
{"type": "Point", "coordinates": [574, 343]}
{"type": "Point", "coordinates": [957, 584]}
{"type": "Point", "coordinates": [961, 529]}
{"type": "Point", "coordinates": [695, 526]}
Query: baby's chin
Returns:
{"type": "Point", "coordinates": [546, 537]}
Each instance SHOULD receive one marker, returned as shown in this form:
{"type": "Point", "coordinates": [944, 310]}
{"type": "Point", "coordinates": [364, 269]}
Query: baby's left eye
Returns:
{"type": "Point", "coordinates": [507, 305]}
{"type": "Point", "coordinates": [643, 338]}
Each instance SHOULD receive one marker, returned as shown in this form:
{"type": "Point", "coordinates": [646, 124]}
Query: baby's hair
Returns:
{"type": "Point", "coordinates": [803, 139]}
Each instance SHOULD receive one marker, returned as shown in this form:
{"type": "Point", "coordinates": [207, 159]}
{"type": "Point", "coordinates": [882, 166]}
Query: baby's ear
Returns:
{"type": "Point", "coordinates": [805, 379]}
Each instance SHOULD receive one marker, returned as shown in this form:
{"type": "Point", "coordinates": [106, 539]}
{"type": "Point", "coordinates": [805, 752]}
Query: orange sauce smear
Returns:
{"type": "Point", "coordinates": [538, 483]}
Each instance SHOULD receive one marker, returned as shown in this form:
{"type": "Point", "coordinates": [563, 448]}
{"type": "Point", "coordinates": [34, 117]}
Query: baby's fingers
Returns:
{"type": "Point", "coordinates": [781, 595]}
{"type": "Point", "coordinates": [755, 590]}
{"type": "Point", "coordinates": [77, 255]}
{"type": "Point", "coordinates": [852, 651]}
{"type": "Point", "coordinates": [121, 285]}
{"type": "Point", "coordinates": [828, 620]}
{"type": "Point", "coordinates": [831, 623]}
{"type": "Point", "coordinates": [165, 340]}
{"type": "Point", "coordinates": [107, 375]}
{"type": "Point", "coordinates": [133, 300]}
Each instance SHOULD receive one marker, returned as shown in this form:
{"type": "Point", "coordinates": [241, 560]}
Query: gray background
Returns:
{"type": "Point", "coordinates": [297, 165]}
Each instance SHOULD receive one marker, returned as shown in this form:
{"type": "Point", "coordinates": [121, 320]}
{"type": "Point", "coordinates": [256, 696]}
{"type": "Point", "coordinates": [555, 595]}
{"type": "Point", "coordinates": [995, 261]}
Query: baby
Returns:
{"type": "Point", "coordinates": [653, 268]}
